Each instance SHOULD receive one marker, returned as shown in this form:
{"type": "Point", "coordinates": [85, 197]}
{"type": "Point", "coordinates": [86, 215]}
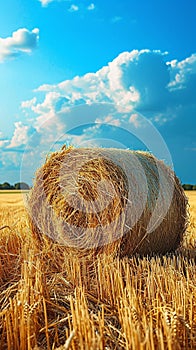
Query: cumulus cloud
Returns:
{"type": "Point", "coordinates": [106, 85]}
{"type": "Point", "coordinates": [183, 80]}
{"type": "Point", "coordinates": [3, 143]}
{"type": "Point", "coordinates": [20, 137]}
{"type": "Point", "coordinates": [21, 41]}
{"type": "Point", "coordinates": [11, 151]}
{"type": "Point", "coordinates": [134, 118]}
{"type": "Point", "coordinates": [143, 80]}
{"type": "Point", "coordinates": [29, 103]}
{"type": "Point", "coordinates": [134, 83]}
{"type": "Point", "coordinates": [91, 7]}
{"type": "Point", "coordinates": [136, 79]}
{"type": "Point", "coordinates": [45, 3]}
{"type": "Point", "coordinates": [73, 8]}
{"type": "Point", "coordinates": [23, 134]}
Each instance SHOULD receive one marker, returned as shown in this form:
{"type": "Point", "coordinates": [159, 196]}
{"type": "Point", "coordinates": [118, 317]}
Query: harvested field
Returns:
{"type": "Point", "coordinates": [52, 300]}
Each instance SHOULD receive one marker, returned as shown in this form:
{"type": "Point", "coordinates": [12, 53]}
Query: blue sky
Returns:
{"type": "Point", "coordinates": [128, 62]}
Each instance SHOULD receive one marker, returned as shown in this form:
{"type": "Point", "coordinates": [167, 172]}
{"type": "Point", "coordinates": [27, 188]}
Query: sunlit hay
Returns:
{"type": "Point", "coordinates": [188, 246]}
{"type": "Point", "coordinates": [10, 247]}
{"type": "Point", "coordinates": [121, 202]}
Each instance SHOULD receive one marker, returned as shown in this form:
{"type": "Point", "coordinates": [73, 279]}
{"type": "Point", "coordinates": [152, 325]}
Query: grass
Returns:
{"type": "Point", "coordinates": [51, 300]}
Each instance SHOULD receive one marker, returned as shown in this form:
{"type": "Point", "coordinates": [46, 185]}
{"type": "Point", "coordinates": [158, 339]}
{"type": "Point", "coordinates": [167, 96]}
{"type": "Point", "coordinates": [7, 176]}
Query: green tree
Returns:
{"type": "Point", "coordinates": [6, 186]}
{"type": "Point", "coordinates": [21, 186]}
{"type": "Point", "coordinates": [187, 187]}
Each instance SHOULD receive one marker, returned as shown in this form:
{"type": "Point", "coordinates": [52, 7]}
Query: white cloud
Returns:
{"type": "Point", "coordinates": [138, 79]}
{"type": "Point", "coordinates": [91, 7]}
{"type": "Point", "coordinates": [106, 85]}
{"type": "Point", "coordinates": [24, 136]}
{"type": "Point", "coordinates": [108, 119]}
{"type": "Point", "coordinates": [73, 8]}
{"type": "Point", "coordinates": [20, 137]}
{"type": "Point", "coordinates": [182, 72]}
{"type": "Point", "coordinates": [4, 143]}
{"type": "Point", "coordinates": [135, 120]}
{"type": "Point", "coordinates": [29, 103]}
{"type": "Point", "coordinates": [133, 83]}
{"type": "Point", "coordinates": [45, 3]}
{"type": "Point", "coordinates": [21, 41]}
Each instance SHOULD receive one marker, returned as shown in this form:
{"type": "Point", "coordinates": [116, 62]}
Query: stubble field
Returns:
{"type": "Point", "coordinates": [51, 300]}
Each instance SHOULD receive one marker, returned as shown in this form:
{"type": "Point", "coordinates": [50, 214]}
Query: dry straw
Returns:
{"type": "Point", "coordinates": [119, 201]}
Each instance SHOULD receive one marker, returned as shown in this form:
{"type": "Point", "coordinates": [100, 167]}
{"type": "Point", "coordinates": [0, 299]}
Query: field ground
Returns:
{"type": "Point", "coordinates": [192, 201]}
{"type": "Point", "coordinates": [51, 300]}
{"type": "Point", "coordinates": [12, 198]}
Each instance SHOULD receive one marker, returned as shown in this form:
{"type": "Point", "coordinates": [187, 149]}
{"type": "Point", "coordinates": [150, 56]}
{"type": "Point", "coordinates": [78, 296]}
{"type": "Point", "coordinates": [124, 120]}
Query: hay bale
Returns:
{"type": "Point", "coordinates": [119, 201]}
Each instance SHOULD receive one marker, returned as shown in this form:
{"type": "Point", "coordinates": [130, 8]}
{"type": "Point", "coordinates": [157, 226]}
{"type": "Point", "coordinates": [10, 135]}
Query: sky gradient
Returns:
{"type": "Point", "coordinates": [127, 64]}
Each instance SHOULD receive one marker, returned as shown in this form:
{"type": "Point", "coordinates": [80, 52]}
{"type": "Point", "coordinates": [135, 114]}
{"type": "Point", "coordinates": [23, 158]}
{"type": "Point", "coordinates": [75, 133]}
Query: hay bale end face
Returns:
{"type": "Point", "coordinates": [119, 201]}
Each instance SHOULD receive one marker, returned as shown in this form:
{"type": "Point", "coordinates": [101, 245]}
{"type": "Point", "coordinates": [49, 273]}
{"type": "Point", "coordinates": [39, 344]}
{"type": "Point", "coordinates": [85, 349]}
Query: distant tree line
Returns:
{"type": "Point", "coordinates": [16, 186]}
{"type": "Point", "coordinates": [25, 186]}
{"type": "Point", "coordinates": [188, 187]}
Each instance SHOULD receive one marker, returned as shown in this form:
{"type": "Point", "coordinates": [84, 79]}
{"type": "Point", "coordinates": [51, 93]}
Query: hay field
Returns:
{"type": "Point", "coordinates": [50, 300]}
{"type": "Point", "coordinates": [192, 201]}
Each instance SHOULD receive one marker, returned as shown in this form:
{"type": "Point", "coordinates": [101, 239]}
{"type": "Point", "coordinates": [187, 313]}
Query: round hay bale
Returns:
{"type": "Point", "coordinates": [119, 201]}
